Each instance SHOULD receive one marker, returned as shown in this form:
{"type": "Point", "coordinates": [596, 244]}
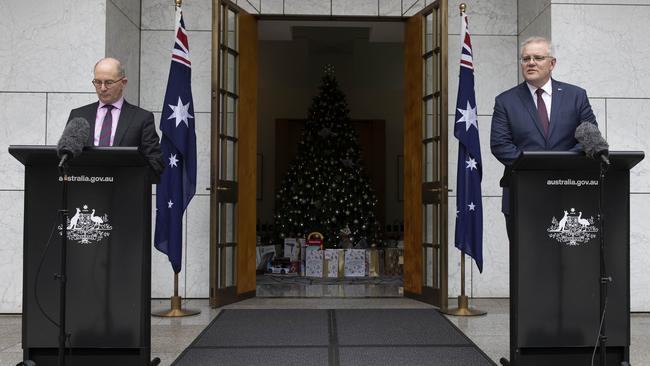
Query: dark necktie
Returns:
{"type": "Point", "coordinates": [107, 126]}
{"type": "Point", "coordinates": [541, 111]}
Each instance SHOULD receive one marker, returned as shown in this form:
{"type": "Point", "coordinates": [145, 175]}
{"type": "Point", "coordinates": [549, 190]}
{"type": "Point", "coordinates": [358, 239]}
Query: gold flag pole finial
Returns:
{"type": "Point", "coordinates": [178, 3]}
{"type": "Point", "coordinates": [462, 7]}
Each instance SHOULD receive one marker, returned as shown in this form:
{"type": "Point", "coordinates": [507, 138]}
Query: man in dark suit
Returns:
{"type": "Point", "coordinates": [540, 114]}
{"type": "Point", "coordinates": [115, 122]}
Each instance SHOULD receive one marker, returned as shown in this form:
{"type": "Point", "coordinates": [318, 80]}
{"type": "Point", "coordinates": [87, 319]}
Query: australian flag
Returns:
{"type": "Point", "coordinates": [178, 181]}
{"type": "Point", "coordinates": [469, 208]}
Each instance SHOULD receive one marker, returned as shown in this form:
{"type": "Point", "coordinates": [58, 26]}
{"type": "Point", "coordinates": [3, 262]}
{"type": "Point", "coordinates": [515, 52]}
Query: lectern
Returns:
{"type": "Point", "coordinates": [555, 258]}
{"type": "Point", "coordinates": [108, 256]}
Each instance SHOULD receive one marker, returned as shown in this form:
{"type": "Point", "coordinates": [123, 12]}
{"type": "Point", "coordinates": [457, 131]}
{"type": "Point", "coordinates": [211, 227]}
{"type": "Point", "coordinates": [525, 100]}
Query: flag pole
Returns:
{"type": "Point", "coordinates": [176, 310]}
{"type": "Point", "coordinates": [463, 308]}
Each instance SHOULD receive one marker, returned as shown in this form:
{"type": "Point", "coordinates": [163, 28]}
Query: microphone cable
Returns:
{"type": "Point", "coordinates": [600, 327]}
{"type": "Point", "coordinates": [36, 280]}
{"type": "Point", "coordinates": [38, 272]}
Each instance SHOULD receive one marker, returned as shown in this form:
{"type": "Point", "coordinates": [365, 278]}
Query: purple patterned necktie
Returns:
{"type": "Point", "coordinates": [107, 126]}
{"type": "Point", "coordinates": [541, 111]}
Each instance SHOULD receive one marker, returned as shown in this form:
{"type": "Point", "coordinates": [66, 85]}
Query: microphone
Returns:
{"type": "Point", "coordinates": [592, 141]}
{"type": "Point", "coordinates": [72, 139]}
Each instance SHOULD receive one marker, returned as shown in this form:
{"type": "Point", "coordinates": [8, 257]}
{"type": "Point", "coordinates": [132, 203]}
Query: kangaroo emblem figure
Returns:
{"type": "Point", "coordinates": [74, 220]}
{"type": "Point", "coordinates": [562, 223]}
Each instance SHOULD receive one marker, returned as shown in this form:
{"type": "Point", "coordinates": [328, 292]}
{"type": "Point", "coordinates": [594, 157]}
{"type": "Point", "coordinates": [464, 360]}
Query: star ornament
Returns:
{"type": "Point", "coordinates": [180, 112]}
{"type": "Point", "coordinates": [170, 204]}
{"type": "Point", "coordinates": [471, 164]}
{"type": "Point", "coordinates": [471, 206]}
{"type": "Point", "coordinates": [469, 117]}
{"type": "Point", "coordinates": [173, 161]}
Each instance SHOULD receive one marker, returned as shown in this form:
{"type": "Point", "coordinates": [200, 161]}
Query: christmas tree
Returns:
{"type": "Point", "coordinates": [326, 189]}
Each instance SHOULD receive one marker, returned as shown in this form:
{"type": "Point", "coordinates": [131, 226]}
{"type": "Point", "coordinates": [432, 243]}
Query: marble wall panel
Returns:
{"type": "Point", "coordinates": [59, 106]}
{"type": "Point", "coordinates": [11, 252]}
{"type": "Point", "coordinates": [627, 131]}
{"type": "Point", "coordinates": [411, 7]}
{"type": "Point", "coordinates": [159, 15]}
{"type": "Point", "coordinates": [540, 27]}
{"type": "Point", "coordinates": [23, 124]}
{"type": "Point", "coordinates": [492, 17]}
{"type": "Point", "coordinates": [130, 9]}
{"type": "Point", "coordinates": [67, 35]}
{"type": "Point", "coordinates": [272, 6]}
{"type": "Point", "coordinates": [311, 7]}
{"type": "Point", "coordinates": [602, 43]}
{"type": "Point", "coordinates": [390, 7]}
{"type": "Point", "coordinates": [250, 6]}
{"type": "Point", "coordinates": [639, 252]}
{"type": "Point", "coordinates": [528, 11]}
{"type": "Point", "coordinates": [156, 57]}
{"type": "Point", "coordinates": [123, 43]}
{"type": "Point", "coordinates": [197, 250]}
{"type": "Point", "coordinates": [495, 69]}
{"type": "Point", "coordinates": [359, 7]}
{"type": "Point", "coordinates": [598, 105]}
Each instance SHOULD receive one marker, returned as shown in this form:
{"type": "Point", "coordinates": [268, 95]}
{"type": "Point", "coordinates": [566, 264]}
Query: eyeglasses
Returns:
{"type": "Point", "coordinates": [526, 59]}
{"type": "Point", "coordinates": [106, 83]}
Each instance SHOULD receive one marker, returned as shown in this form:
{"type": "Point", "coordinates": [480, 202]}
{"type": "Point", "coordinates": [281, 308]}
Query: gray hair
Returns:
{"type": "Point", "coordinates": [551, 50]}
{"type": "Point", "coordinates": [120, 67]}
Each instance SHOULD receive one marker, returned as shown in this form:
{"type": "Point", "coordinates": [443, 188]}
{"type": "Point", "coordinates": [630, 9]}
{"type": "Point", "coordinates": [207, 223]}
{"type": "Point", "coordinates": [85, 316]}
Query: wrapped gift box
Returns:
{"type": "Point", "coordinates": [314, 262]}
{"type": "Point", "coordinates": [355, 263]}
{"type": "Point", "coordinates": [334, 260]}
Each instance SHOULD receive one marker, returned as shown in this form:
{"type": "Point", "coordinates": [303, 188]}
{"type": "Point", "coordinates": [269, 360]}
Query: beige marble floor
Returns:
{"type": "Point", "coordinates": [171, 336]}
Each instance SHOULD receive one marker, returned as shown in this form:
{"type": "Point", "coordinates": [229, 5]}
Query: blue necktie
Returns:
{"type": "Point", "coordinates": [107, 126]}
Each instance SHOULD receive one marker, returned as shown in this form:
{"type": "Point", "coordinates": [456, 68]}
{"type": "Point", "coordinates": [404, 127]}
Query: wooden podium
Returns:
{"type": "Point", "coordinates": [108, 257]}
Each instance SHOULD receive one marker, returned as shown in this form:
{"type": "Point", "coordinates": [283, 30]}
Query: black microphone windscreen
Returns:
{"type": "Point", "coordinates": [74, 137]}
{"type": "Point", "coordinates": [592, 141]}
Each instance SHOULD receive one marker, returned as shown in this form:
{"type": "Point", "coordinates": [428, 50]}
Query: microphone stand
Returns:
{"type": "Point", "coordinates": [61, 277]}
{"type": "Point", "coordinates": [604, 278]}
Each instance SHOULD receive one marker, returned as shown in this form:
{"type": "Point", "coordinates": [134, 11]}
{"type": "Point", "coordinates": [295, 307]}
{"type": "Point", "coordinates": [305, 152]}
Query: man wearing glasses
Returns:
{"type": "Point", "coordinates": [115, 122]}
{"type": "Point", "coordinates": [540, 114]}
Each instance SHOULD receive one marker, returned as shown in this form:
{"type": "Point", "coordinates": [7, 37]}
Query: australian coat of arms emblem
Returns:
{"type": "Point", "coordinates": [86, 226]}
{"type": "Point", "coordinates": [573, 228]}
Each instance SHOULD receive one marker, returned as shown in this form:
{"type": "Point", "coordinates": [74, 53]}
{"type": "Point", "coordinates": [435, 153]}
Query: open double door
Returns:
{"type": "Point", "coordinates": [234, 153]}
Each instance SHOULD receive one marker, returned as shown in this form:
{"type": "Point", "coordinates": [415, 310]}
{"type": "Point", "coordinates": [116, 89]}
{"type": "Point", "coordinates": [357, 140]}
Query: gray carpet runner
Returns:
{"type": "Point", "coordinates": [339, 337]}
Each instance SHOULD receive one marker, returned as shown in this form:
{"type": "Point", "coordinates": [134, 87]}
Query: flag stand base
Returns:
{"type": "Point", "coordinates": [175, 310]}
{"type": "Point", "coordinates": [463, 308]}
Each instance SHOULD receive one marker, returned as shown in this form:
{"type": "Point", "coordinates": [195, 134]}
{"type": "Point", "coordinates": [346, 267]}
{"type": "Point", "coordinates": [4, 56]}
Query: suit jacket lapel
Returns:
{"type": "Point", "coordinates": [90, 114]}
{"type": "Point", "coordinates": [529, 103]}
{"type": "Point", "coordinates": [556, 105]}
{"type": "Point", "coordinates": [123, 123]}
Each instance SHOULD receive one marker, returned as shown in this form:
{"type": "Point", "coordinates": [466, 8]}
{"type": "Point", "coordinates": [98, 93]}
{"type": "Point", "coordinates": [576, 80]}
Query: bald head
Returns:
{"type": "Point", "coordinates": [110, 62]}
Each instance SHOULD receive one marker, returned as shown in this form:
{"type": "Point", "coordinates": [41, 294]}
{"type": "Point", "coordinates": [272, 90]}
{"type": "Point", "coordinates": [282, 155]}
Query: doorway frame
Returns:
{"type": "Point", "coordinates": [415, 195]}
